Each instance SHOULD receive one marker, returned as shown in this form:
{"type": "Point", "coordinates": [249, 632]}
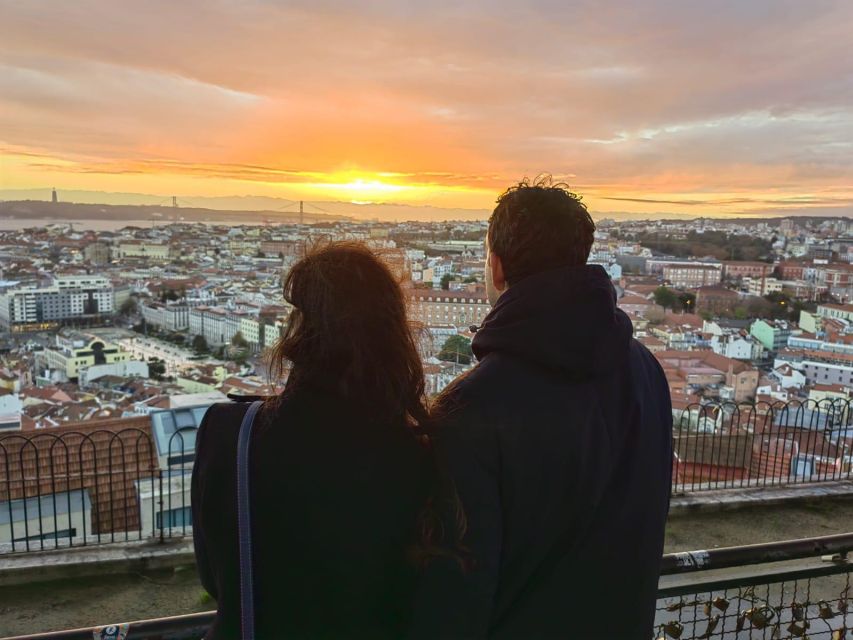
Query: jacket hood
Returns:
{"type": "Point", "coordinates": [563, 319]}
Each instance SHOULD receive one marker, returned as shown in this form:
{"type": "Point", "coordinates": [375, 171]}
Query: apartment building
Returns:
{"type": "Point", "coordinates": [773, 334]}
{"type": "Point", "coordinates": [762, 286]}
{"type": "Point", "coordinates": [457, 308]}
{"type": "Point", "coordinates": [172, 317]}
{"type": "Point", "coordinates": [736, 269]}
{"type": "Point", "coordinates": [219, 326]}
{"type": "Point", "coordinates": [836, 311]}
{"type": "Point", "coordinates": [151, 251]}
{"type": "Point", "coordinates": [35, 308]}
{"type": "Point", "coordinates": [691, 276]}
{"type": "Point", "coordinates": [819, 367]}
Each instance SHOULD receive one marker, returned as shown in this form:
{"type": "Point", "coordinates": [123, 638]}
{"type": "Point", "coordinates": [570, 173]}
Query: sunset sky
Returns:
{"type": "Point", "coordinates": [712, 108]}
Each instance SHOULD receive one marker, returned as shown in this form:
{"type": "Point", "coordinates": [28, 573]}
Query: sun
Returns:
{"type": "Point", "coordinates": [364, 188]}
{"type": "Point", "coordinates": [368, 187]}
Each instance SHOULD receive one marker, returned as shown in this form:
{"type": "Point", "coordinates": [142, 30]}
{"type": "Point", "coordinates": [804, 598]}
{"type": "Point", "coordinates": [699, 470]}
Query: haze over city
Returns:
{"type": "Point", "coordinates": [655, 109]}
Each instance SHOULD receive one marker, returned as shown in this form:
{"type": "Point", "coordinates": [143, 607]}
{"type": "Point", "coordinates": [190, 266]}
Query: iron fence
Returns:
{"type": "Point", "coordinates": [97, 486]}
{"type": "Point", "coordinates": [81, 488]}
{"type": "Point", "coordinates": [745, 445]}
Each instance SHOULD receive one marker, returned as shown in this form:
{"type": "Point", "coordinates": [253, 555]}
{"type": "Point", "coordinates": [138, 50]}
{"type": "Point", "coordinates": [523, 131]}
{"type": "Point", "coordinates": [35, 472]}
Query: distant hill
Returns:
{"type": "Point", "coordinates": [337, 209]}
{"type": "Point", "coordinates": [69, 211]}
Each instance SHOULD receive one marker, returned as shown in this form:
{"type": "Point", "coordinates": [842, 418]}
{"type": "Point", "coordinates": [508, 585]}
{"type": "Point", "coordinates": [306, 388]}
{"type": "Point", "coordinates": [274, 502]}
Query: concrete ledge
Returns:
{"type": "Point", "coordinates": [78, 562]}
{"type": "Point", "coordinates": [723, 499]}
{"type": "Point", "coordinates": [143, 555]}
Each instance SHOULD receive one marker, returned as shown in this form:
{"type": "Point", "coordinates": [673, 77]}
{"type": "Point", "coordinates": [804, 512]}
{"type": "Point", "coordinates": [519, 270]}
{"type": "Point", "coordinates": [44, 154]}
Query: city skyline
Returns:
{"type": "Point", "coordinates": [655, 110]}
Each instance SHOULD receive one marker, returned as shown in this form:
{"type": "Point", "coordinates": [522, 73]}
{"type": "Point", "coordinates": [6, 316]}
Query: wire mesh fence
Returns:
{"type": "Point", "coordinates": [794, 589]}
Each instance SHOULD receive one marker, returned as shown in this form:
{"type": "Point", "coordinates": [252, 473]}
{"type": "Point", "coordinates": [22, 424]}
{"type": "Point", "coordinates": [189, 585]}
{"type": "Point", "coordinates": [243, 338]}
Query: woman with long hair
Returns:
{"type": "Point", "coordinates": [339, 476]}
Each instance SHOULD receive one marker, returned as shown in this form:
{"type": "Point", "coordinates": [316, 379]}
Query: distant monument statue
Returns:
{"type": "Point", "coordinates": [54, 199]}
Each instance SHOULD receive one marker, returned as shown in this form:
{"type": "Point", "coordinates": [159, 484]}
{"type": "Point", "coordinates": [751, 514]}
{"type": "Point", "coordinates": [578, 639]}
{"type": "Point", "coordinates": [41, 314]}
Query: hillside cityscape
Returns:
{"type": "Point", "coordinates": [116, 338]}
{"type": "Point", "coordinates": [117, 324]}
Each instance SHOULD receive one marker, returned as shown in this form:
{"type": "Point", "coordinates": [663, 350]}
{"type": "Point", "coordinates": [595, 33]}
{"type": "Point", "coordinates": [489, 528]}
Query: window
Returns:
{"type": "Point", "coordinates": [181, 517]}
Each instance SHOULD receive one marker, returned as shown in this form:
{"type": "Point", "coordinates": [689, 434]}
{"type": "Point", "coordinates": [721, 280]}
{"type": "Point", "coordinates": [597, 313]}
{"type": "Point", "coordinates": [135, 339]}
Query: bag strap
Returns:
{"type": "Point", "coordinates": [244, 524]}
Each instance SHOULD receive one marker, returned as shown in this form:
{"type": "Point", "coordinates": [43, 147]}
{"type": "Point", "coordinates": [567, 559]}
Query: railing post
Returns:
{"type": "Point", "coordinates": [162, 536]}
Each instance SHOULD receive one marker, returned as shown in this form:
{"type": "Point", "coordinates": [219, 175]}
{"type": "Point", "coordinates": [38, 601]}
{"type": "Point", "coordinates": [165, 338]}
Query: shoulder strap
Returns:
{"type": "Point", "coordinates": [244, 524]}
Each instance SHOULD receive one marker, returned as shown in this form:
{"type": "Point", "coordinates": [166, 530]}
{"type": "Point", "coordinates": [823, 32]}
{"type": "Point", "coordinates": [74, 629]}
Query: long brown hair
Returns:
{"type": "Point", "coordinates": [349, 332]}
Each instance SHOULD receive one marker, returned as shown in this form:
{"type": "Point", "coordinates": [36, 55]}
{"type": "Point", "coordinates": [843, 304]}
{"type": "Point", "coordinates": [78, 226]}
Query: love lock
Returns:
{"type": "Point", "coordinates": [673, 629]}
{"type": "Point", "coordinates": [761, 617]}
{"type": "Point", "coordinates": [797, 610]}
{"type": "Point", "coordinates": [824, 610]}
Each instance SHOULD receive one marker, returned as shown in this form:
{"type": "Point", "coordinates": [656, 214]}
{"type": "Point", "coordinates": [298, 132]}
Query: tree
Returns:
{"type": "Point", "coordinates": [665, 297]}
{"type": "Point", "coordinates": [758, 307]}
{"type": "Point", "coordinates": [782, 307]}
{"type": "Point", "coordinates": [129, 307]}
{"type": "Point", "coordinates": [156, 368]}
{"type": "Point", "coordinates": [687, 301]}
{"type": "Point", "coordinates": [456, 349]}
{"type": "Point", "coordinates": [239, 341]}
{"type": "Point", "coordinates": [445, 281]}
{"type": "Point", "coordinates": [200, 344]}
{"type": "Point", "coordinates": [169, 294]}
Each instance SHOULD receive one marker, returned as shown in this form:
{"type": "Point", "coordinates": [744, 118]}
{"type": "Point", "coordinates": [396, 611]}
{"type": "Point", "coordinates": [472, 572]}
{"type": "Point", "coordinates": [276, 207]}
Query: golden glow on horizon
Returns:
{"type": "Point", "coordinates": [21, 169]}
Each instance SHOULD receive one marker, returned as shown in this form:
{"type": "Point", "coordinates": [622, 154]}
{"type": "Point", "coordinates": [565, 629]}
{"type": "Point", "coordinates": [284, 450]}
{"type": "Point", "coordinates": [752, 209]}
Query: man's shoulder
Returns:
{"type": "Point", "coordinates": [475, 382]}
{"type": "Point", "coordinates": [475, 396]}
{"type": "Point", "coordinates": [640, 353]}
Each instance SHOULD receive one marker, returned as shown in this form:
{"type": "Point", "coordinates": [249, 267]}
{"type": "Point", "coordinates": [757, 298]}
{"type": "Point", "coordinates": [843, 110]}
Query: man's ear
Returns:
{"type": "Point", "coordinates": [497, 268]}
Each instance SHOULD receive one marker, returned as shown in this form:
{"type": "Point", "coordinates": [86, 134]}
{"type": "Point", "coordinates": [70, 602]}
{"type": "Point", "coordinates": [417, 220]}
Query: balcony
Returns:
{"type": "Point", "coordinates": [798, 588]}
{"type": "Point", "coordinates": [111, 502]}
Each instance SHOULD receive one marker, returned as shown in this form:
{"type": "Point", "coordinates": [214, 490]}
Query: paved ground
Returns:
{"type": "Point", "coordinates": [89, 602]}
{"type": "Point", "coordinates": [753, 524]}
{"type": "Point", "coordinates": [59, 605]}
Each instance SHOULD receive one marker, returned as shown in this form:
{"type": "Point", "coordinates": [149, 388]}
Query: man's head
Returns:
{"type": "Point", "coordinates": [535, 227]}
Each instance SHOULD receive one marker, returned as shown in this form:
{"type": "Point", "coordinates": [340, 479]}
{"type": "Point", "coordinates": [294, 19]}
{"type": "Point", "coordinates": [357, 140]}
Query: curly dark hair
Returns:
{"type": "Point", "coordinates": [537, 226]}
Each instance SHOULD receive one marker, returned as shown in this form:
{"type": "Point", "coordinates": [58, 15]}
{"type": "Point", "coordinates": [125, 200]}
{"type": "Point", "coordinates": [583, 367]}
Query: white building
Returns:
{"type": "Point", "coordinates": [129, 369]}
{"type": "Point", "coordinates": [10, 411]}
{"type": "Point", "coordinates": [788, 377]}
{"type": "Point", "coordinates": [58, 515]}
{"type": "Point", "coordinates": [171, 317]}
{"type": "Point", "coordinates": [762, 286]}
{"type": "Point", "coordinates": [737, 346]}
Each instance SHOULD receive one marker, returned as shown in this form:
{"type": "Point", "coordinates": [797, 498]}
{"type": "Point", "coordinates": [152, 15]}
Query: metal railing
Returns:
{"type": "Point", "coordinates": [793, 589]}
{"type": "Point", "coordinates": [745, 445]}
{"type": "Point", "coordinates": [81, 488]}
